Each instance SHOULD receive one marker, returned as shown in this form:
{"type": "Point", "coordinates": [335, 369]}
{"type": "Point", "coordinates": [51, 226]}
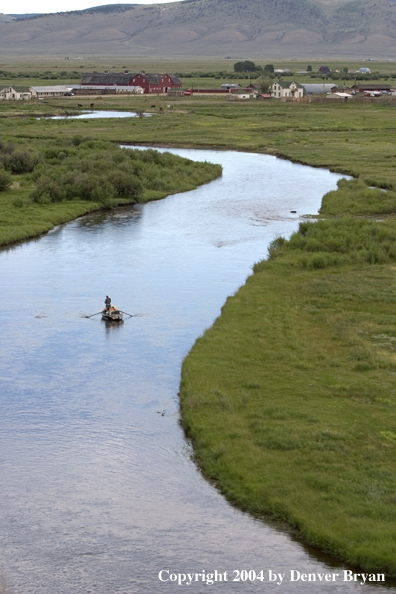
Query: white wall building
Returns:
{"type": "Point", "coordinates": [15, 93]}
{"type": "Point", "coordinates": [287, 88]}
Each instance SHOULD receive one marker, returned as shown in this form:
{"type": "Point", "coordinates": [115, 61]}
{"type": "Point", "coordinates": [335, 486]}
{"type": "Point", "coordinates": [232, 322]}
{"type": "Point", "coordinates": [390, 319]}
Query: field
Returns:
{"type": "Point", "coordinates": [200, 73]}
{"type": "Point", "coordinates": [289, 398]}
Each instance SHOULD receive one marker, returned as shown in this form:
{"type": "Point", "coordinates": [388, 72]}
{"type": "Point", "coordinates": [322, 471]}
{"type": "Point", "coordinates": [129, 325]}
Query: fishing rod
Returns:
{"type": "Point", "coordinates": [93, 315]}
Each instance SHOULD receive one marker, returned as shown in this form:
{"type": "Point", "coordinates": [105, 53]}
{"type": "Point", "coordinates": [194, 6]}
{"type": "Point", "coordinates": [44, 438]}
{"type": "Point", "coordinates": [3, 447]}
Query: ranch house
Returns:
{"type": "Point", "coordinates": [286, 88]}
{"type": "Point", "coordinates": [15, 93]}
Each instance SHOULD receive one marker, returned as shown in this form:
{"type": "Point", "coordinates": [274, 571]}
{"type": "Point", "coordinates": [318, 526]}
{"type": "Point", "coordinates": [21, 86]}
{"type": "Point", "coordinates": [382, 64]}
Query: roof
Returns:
{"type": "Point", "coordinates": [152, 79]}
{"type": "Point", "coordinates": [285, 84]}
{"type": "Point", "coordinates": [341, 95]}
{"type": "Point", "coordinates": [105, 87]}
{"type": "Point", "coordinates": [175, 79]}
{"type": "Point", "coordinates": [54, 89]}
{"type": "Point", "coordinates": [373, 87]}
{"type": "Point", "coordinates": [241, 92]}
{"type": "Point", "coordinates": [319, 88]}
{"type": "Point", "coordinates": [16, 88]}
{"type": "Point", "coordinates": [20, 89]}
{"type": "Point", "coordinates": [95, 78]}
{"type": "Point", "coordinates": [230, 86]}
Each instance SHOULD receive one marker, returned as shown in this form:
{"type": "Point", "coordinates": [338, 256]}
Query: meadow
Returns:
{"type": "Point", "coordinates": [289, 398]}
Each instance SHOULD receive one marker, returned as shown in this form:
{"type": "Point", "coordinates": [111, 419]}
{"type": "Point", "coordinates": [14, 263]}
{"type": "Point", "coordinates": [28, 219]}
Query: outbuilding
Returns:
{"type": "Point", "coordinates": [54, 91]}
{"type": "Point", "coordinates": [106, 90]}
{"type": "Point", "coordinates": [373, 87]}
{"type": "Point", "coordinates": [240, 95]}
{"type": "Point", "coordinates": [319, 89]}
{"type": "Point", "coordinates": [228, 86]}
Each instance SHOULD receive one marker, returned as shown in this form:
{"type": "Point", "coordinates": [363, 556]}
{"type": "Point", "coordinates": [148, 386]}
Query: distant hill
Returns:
{"type": "Point", "coordinates": [237, 28]}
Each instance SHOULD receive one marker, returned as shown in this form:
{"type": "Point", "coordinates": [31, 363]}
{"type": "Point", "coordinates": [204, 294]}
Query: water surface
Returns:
{"type": "Point", "coordinates": [99, 493]}
{"type": "Point", "coordinates": [90, 115]}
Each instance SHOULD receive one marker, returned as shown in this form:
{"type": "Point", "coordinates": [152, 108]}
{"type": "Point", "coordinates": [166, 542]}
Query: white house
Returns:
{"type": "Point", "coordinates": [287, 88]}
{"type": "Point", "coordinates": [15, 93]}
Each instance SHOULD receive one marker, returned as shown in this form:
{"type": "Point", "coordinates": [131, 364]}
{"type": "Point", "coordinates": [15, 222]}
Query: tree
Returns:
{"type": "Point", "coordinates": [269, 68]}
{"type": "Point", "coordinates": [345, 70]}
{"type": "Point", "coordinates": [309, 68]}
{"type": "Point", "coordinates": [246, 66]}
{"type": "Point", "coordinates": [265, 84]}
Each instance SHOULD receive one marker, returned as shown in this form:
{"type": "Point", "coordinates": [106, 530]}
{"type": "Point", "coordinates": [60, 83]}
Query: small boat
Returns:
{"type": "Point", "coordinates": [112, 315]}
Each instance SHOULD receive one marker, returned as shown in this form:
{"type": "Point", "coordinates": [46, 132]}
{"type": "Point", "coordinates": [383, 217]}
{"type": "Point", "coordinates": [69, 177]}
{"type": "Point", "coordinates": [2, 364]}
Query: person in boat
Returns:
{"type": "Point", "coordinates": [107, 303]}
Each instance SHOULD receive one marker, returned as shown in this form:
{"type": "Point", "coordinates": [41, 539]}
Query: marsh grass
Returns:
{"type": "Point", "coordinates": [62, 179]}
{"type": "Point", "coordinates": [313, 442]}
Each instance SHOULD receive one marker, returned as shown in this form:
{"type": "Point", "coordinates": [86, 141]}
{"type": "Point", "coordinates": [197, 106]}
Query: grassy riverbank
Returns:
{"type": "Point", "coordinates": [58, 180]}
{"type": "Point", "coordinates": [290, 398]}
{"type": "Point", "coordinates": [291, 406]}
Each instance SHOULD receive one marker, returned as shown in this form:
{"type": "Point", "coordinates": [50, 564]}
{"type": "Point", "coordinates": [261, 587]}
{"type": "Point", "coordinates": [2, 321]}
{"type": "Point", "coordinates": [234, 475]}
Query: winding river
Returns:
{"type": "Point", "coordinates": [99, 493]}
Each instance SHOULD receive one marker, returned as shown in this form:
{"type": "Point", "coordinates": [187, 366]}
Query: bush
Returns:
{"type": "Point", "coordinates": [21, 161]}
{"type": "Point", "coordinates": [5, 180]}
{"type": "Point", "coordinates": [127, 185]}
{"type": "Point", "coordinates": [47, 187]}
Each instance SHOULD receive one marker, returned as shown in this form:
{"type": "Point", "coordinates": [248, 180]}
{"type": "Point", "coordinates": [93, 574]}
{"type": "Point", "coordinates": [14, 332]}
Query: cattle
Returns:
{"type": "Point", "coordinates": [152, 107]}
{"type": "Point", "coordinates": [79, 105]}
{"type": "Point", "coordinates": [92, 105]}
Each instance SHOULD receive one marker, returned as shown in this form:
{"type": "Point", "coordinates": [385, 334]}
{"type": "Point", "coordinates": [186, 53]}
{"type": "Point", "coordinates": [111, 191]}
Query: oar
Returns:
{"type": "Point", "coordinates": [93, 315]}
{"type": "Point", "coordinates": [127, 314]}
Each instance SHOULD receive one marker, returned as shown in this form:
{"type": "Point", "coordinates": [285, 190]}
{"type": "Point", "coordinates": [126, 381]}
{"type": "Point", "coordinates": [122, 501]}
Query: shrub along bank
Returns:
{"type": "Point", "coordinates": [61, 179]}
{"type": "Point", "coordinates": [290, 397]}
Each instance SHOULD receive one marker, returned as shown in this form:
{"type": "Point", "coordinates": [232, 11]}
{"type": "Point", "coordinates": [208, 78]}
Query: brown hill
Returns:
{"type": "Point", "coordinates": [238, 28]}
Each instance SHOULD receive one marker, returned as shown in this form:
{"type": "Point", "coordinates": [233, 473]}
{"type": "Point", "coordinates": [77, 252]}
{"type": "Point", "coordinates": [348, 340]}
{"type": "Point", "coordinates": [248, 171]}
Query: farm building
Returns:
{"type": "Point", "coordinates": [227, 86]}
{"type": "Point", "coordinates": [239, 95]}
{"type": "Point", "coordinates": [287, 88]}
{"type": "Point", "coordinates": [367, 87]}
{"type": "Point", "coordinates": [16, 93]}
{"type": "Point", "coordinates": [339, 96]}
{"type": "Point", "coordinates": [324, 70]}
{"type": "Point", "coordinates": [319, 89]}
{"type": "Point", "coordinates": [106, 90]}
{"type": "Point", "coordinates": [55, 91]}
{"type": "Point", "coordinates": [150, 83]}
{"type": "Point", "coordinates": [263, 97]}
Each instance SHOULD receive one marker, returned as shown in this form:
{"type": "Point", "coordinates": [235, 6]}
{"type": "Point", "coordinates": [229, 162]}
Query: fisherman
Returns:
{"type": "Point", "coordinates": [107, 302]}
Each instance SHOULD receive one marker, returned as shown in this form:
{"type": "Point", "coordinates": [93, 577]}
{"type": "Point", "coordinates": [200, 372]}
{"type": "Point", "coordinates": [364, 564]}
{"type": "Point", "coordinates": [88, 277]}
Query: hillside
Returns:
{"type": "Point", "coordinates": [238, 28]}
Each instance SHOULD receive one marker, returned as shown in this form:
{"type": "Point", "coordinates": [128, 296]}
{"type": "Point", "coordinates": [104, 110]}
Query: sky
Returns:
{"type": "Point", "coordinates": [42, 6]}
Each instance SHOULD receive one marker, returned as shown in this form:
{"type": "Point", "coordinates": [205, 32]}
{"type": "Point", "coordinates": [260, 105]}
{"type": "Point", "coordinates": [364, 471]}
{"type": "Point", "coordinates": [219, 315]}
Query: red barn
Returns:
{"type": "Point", "coordinates": [156, 83]}
{"type": "Point", "coordinates": [151, 83]}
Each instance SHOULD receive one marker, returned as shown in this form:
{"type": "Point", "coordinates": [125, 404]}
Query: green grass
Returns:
{"type": "Point", "coordinates": [290, 402]}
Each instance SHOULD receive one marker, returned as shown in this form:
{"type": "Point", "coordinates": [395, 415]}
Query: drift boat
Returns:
{"type": "Point", "coordinates": [112, 315]}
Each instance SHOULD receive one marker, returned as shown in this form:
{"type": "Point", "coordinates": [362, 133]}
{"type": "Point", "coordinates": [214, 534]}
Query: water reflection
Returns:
{"type": "Point", "coordinates": [112, 326]}
{"type": "Point", "coordinates": [90, 115]}
{"type": "Point", "coordinates": [98, 489]}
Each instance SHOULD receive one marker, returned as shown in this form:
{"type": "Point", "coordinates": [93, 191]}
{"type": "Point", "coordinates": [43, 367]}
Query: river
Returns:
{"type": "Point", "coordinates": [99, 493]}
